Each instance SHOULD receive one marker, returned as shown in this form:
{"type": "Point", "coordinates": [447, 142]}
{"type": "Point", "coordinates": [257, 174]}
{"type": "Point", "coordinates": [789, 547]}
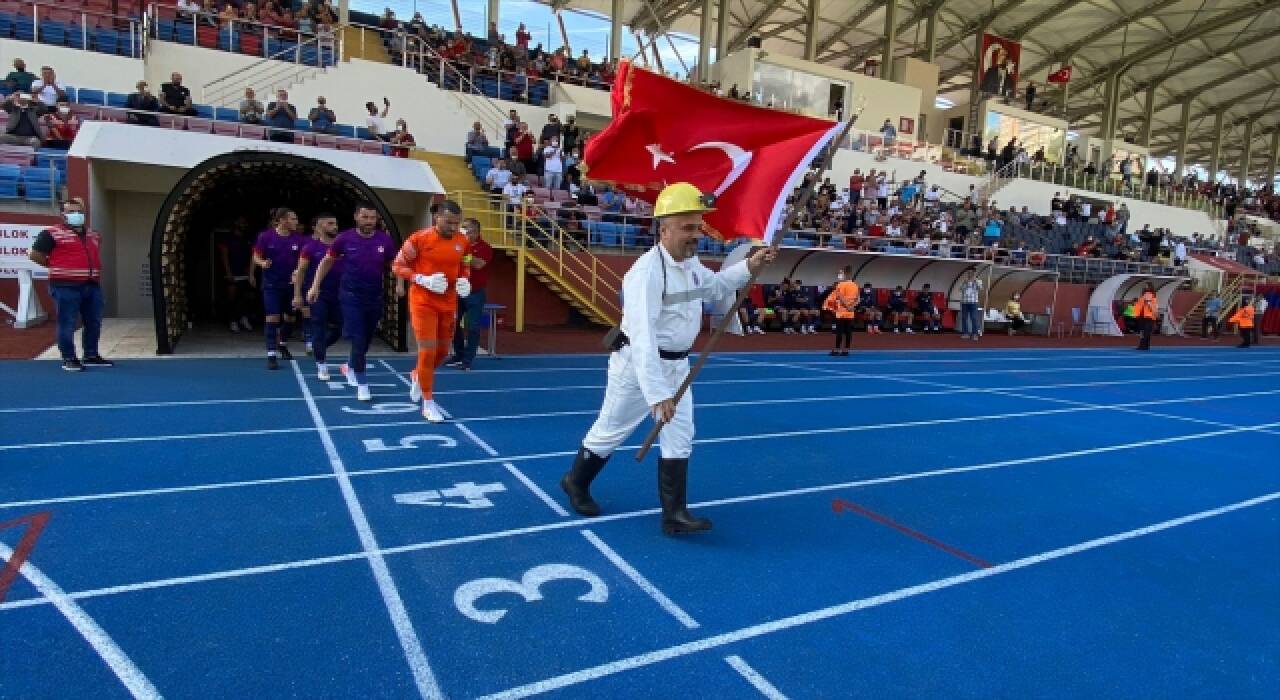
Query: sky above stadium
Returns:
{"type": "Point", "coordinates": [586, 31]}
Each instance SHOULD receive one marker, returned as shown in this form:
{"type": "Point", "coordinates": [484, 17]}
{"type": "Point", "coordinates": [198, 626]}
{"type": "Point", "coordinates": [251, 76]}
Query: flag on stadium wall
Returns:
{"type": "Point", "coordinates": [664, 131]}
{"type": "Point", "coordinates": [1062, 75]}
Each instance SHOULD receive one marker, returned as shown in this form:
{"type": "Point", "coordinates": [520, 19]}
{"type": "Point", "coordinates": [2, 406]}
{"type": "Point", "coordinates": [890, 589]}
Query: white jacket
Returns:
{"type": "Point", "coordinates": [653, 321]}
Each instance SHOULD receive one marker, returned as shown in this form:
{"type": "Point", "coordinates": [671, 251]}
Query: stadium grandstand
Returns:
{"type": "Point", "coordinates": [1023, 190]}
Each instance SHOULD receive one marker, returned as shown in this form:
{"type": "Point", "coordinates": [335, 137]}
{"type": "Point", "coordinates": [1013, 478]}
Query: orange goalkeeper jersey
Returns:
{"type": "Point", "coordinates": [426, 252]}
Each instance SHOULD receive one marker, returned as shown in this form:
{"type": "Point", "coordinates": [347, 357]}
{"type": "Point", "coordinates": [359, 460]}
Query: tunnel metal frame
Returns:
{"type": "Point", "coordinates": [168, 280]}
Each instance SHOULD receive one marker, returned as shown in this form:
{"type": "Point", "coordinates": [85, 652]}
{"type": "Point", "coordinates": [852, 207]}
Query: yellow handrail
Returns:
{"type": "Point", "coordinates": [550, 247]}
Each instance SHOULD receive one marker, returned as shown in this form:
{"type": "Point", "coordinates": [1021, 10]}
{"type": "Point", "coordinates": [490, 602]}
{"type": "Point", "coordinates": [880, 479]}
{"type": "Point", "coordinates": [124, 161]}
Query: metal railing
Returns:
{"type": "Point", "coordinates": [235, 31]}
{"type": "Point", "coordinates": [280, 70]}
{"type": "Point", "coordinates": [74, 28]}
{"type": "Point", "coordinates": [541, 241]}
{"type": "Point", "coordinates": [1112, 184]}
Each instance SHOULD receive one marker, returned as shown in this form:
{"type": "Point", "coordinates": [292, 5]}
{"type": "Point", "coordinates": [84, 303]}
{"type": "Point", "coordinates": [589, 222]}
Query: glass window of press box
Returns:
{"type": "Point", "coordinates": [1030, 135]}
{"type": "Point", "coordinates": [797, 90]}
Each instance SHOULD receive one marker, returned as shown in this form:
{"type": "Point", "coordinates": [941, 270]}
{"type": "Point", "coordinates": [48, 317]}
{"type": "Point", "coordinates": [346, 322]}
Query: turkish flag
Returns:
{"type": "Point", "coordinates": [664, 131]}
{"type": "Point", "coordinates": [1062, 75]}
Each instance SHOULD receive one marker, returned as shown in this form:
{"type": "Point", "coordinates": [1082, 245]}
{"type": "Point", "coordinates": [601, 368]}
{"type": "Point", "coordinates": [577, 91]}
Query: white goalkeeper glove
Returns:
{"type": "Point", "coordinates": [436, 283]}
{"type": "Point", "coordinates": [463, 286]}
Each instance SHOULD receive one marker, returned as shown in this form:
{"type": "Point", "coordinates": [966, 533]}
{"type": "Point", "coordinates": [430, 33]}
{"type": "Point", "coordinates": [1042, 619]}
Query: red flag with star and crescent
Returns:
{"type": "Point", "coordinates": [664, 131]}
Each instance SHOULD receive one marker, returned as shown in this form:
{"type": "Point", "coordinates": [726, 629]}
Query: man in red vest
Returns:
{"type": "Point", "coordinates": [71, 251]}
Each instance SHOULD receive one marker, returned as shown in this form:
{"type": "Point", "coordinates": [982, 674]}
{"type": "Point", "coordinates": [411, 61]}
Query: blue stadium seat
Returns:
{"type": "Point", "coordinates": [302, 124]}
{"type": "Point", "coordinates": [481, 162]}
{"type": "Point", "coordinates": [24, 28]}
{"type": "Point", "coordinates": [204, 111]}
{"type": "Point", "coordinates": [164, 29]}
{"type": "Point", "coordinates": [91, 97]}
{"type": "Point", "coordinates": [9, 189]}
{"type": "Point", "coordinates": [346, 130]}
{"type": "Point", "coordinates": [117, 99]}
{"type": "Point", "coordinates": [228, 41]}
{"type": "Point", "coordinates": [106, 40]}
{"type": "Point", "coordinates": [52, 32]}
{"type": "Point", "coordinates": [38, 184]}
{"type": "Point", "coordinates": [184, 33]}
{"type": "Point", "coordinates": [363, 133]}
{"type": "Point", "coordinates": [6, 24]}
{"type": "Point", "coordinates": [227, 114]}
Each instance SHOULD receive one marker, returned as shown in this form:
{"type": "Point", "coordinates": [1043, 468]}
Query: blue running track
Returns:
{"type": "Point", "coordinates": [958, 524]}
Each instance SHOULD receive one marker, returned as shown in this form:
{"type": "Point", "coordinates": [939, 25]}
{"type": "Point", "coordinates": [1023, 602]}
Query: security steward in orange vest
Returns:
{"type": "Point", "coordinates": [1144, 310]}
{"type": "Point", "coordinates": [841, 302]}
{"type": "Point", "coordinates": [72, 252]}
{"type": "Point", "coordinates": [1244, 317]}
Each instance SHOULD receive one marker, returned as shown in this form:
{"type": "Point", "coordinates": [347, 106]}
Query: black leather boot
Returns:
{"type": "Point", "coordinates": [673, 475]}
{"type": "Point", "coordinates": [577, 482]}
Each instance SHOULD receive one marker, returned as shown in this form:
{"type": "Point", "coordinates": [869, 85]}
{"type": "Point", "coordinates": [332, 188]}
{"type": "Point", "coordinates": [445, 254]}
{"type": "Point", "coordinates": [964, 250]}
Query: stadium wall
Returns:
{"type": "Point", "coordinates": [846, 160]}
{"type": "Point", "coordinates": [74, 67]}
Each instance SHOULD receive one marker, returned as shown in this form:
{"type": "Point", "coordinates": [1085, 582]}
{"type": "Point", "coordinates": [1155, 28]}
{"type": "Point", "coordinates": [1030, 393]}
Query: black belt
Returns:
{"type": "Point", "coordinates": [621, 341]}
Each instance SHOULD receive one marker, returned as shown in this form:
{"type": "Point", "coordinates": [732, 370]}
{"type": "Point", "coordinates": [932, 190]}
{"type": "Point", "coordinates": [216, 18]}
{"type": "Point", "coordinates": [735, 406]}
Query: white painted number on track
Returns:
{"type": "Point", "coordinates": [473, 495]}
{"type": "Point", "coordinates": [529, 587]}
{"type": "Point", "coordinates": [408, 442]}
{"type": "Point", "coordinates": [381, 408]}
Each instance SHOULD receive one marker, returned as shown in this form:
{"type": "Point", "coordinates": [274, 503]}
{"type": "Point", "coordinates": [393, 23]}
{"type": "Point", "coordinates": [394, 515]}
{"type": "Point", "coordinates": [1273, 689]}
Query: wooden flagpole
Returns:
{"type": "Point", "coordinates": [801, 204]}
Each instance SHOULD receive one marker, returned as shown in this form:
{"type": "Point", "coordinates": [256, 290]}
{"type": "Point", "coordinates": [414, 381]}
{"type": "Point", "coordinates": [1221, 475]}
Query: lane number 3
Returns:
{"type": "Point", "coordinates": [528, 587]}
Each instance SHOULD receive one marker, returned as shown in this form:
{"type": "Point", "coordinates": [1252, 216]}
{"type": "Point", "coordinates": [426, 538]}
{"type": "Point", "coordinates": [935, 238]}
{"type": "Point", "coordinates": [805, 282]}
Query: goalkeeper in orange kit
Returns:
{"type": "Point", "coordinates": [432, 259]}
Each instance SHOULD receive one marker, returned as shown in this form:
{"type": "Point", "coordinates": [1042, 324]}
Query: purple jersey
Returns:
{"type": "Point", "coordinates": [314, 251]}
{"type": "Point", "coordinates": [283, 252]}
{"type": "Point", "coordinates": [366, 262]}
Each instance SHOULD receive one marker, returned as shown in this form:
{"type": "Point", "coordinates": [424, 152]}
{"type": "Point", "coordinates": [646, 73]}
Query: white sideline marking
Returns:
{"type": "Point", "coordinates": [793, 621]}
{"type": "Point", "coordinates": [1080, 408]}
{"type": "Point", "coordinates": [564, 524]}
{"type": "Point", "coordinates": [515, 471]}
{"type": "Point", "coordinates": [428, 687]}
{"type": "Point", "coordinates": [639, 579]}
{"type": "Point", "coordinates": [120, 664]}
{"type": "Point", "coordinates": [957, 389]}
{"type": "Point", "coordinates": [753, 677]}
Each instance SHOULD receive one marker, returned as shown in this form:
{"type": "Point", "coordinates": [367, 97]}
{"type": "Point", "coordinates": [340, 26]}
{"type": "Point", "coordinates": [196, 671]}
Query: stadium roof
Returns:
{"type": "Point", "coordinates": [1222, 55]}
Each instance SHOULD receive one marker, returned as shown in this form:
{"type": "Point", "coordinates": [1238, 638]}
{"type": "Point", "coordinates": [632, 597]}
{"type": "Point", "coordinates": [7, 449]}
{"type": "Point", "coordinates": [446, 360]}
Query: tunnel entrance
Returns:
{"type": "Point", "coordinates": [231, 195]}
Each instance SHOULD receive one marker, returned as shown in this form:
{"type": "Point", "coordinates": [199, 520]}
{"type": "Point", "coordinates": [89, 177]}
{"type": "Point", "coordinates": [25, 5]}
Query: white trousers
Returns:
{"type": "Point", "coordinates": [625, 408]}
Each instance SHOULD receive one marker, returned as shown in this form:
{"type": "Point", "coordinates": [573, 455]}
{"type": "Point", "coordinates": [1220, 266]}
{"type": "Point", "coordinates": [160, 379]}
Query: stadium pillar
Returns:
{"type": "Point", "coordinates": [344, 11]}
{"type": "Point", "coordinates": [890, 38]}
{"type": "Point", "coordinates": [1247, 155]}
{"type": "Point", "coordinates": [1183, 137]}
{"type": "Point", "coordinates": [811, 30]}
{"type": "Point", "coordinates": [493, 14]}
{"type": "Point", "coordinates": [931, 34]}
{"type": "Point", "coordinates": [705, 37]}
{"type": "Point", "coordinates": [1106, 131]}
{"type": "Point", "coordinates": [1273, 166]}
{"type": "Point", "coordinates": [722, 28]}
{"type": "Point", "coordinates": [1148, 114]}
{"type": "Point", "coordinates": [1215, 153]}
{"type": "Point", "coordinates": [615, 30]}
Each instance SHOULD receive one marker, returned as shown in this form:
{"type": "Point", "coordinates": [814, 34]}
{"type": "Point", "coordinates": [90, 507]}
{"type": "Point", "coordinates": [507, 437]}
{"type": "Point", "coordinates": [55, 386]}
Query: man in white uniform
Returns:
{"type": "Point", "coordinates": [663, 295]}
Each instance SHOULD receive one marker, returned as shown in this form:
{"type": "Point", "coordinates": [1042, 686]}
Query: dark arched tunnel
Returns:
{"type": "Point", "coordinates": [240, 189]}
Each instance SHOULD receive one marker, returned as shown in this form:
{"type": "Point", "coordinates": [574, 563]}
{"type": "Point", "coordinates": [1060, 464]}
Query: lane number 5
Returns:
{"type": "Point", "coordinates": [528, 587]}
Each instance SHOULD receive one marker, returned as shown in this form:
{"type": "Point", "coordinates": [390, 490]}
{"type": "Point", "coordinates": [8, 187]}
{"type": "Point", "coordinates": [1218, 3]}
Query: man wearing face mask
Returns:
{"type": "Point", "coordinates": [71, 251]}
{"type": "Point", "coordinates": [23, 127]}
{"type": "Point", "coordinates": [61, 126]}
{"type": "Point", "coordinates": [663, 295]}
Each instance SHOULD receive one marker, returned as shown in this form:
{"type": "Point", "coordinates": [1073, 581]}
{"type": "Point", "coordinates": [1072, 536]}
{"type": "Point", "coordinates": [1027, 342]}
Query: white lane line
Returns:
{"type": "Point", "coordinates": [753, 677]}
{"type": "Point", "coordinates": [1083, 408]}
{"type": "Point", "coordinates": [425, 679]}
{"type": "Point", "coordinates": [643, 583]}
{"type": "Point", "coordinates": [564, 524]}
{"type": "Point", "coordinates": [957, 389]}
{"type": "Point", "coordinates": [834, 611]}
{"type": "Point", "coordinates": [120, 664]}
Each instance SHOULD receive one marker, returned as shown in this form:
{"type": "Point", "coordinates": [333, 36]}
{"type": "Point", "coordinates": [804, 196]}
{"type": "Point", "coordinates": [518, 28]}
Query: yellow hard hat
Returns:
{"type": "Point", "coordinates": [682, 198]}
